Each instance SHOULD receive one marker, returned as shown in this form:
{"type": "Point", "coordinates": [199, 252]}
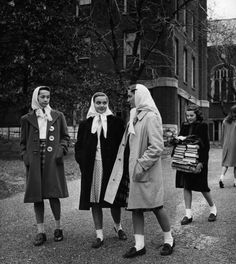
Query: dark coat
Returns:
{"type": "Point", "coordinates": [191, 181]}
{"type": "Point", "coordinates": [85, 150]}
{"type": "Point", "coordinates": [52, 183]}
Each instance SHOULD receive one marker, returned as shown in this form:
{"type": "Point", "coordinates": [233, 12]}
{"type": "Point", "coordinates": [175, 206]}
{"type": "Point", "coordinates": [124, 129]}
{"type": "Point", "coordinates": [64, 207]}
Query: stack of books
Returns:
{"type": "Point", "coordinates": [185, 158]}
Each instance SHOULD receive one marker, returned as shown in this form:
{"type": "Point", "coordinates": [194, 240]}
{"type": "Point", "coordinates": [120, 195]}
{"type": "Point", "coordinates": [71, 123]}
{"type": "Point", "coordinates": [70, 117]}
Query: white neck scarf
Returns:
{"type": "Point", "coordinates": [38, 109]}
{"type": "Point", "coordinates": [99, 120]}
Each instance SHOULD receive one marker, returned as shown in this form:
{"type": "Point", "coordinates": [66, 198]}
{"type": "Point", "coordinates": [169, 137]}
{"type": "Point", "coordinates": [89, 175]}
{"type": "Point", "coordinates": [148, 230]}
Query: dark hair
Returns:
{"type": "Point", "coordinates": [44, 88]}
{"type": "Point", "coordinates": [132, 88]}
{"type": "Point", "coordinates": [99, 94]}
{"type": "Point", "coordinates": [196, 110]}
{"type": "Point", "coordinates": [230, 117]}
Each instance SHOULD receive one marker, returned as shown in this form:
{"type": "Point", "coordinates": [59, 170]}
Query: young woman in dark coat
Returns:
{"type": "Point", "coordinates": [44, 142]}
{"type": "Point", "coordinates": [98, 140]}
{"type": "Point", "coordinates": [196, 181]}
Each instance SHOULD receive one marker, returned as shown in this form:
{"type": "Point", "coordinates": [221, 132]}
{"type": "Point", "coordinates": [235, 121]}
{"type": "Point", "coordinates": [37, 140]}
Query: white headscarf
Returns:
{"type": "Point", "coordinates": [103, 117]}
{"type": "Point", "coordinates": [143, 102]}
{"type": "Point", "coordinates": [38, 109]}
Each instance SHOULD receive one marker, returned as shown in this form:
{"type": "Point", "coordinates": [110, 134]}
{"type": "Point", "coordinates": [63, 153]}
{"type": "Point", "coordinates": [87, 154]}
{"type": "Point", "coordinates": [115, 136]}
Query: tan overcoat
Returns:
{"type": "Point", "coordinates": [146, 146]}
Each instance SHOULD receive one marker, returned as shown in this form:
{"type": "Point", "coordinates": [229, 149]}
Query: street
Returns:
{"type": "Point", "coordinates": [200, 242]}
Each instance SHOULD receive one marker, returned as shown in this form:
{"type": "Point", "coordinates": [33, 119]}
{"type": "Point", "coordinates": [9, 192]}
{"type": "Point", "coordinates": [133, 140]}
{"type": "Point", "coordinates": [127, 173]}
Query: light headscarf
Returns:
{"type": "Point", "coordinates": [38, 109]}
{"type": "Point", "coordinates": [143, 102]}
{"type": "Point", "coordinates": [103, 117]}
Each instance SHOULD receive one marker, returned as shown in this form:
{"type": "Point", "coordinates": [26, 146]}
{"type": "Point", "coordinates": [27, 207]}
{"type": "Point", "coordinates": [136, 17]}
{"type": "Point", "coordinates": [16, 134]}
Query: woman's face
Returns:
{"type": "Point", "coordinates": [43, 98]}
{"type": "Point", "coordinates": [100, 104]}
{"type": "Point", "coordinates": [131, 99]}
{"type": "Point", "coordinates": [191, 116]}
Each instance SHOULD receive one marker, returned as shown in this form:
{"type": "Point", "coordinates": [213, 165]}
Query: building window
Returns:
{"type": "Point", "coordinates": [192, 30]}
{"type": "Point", "coordinates": [84, 2]}
{"type": "Point", "coordinates": [130, 6]}
{"type": "Point", "coordinates": [185, 18]}
{"type": "Point", "coordinates": [176, 51]}
{"type": "Point", "coordinates": [185, 65]}
{"type": "Point", "coordinates": [177, 4]}
{"type": "Point", "coordinates": [223, 84]}
{"type": "Point", "coordinates": [82, 7]}
{"type": "Point", "coordinates": [193, 73]}
{"type": "Point", "coordinates": [129, 58]}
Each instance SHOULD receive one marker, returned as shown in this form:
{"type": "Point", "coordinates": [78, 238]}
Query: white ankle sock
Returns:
{"type": "Point", "coordinates": [213, 209]}
{"type": "Point", "coordinates": [40, 228]}
{"type": "Point", "coordinates": [117, 226]}
{"type": "Point", "coordinates": [139, 241]}
{"type": "Point", "coordinates": [168, 238]}
{"type": "Point", "coordinates": [99, 233]}
{"type": "Point", "coordinates": [57, 224]}
{"type": "Point", "coordinates": [221, 177]}
{"type": "Point", "coordinates": [188, 213]}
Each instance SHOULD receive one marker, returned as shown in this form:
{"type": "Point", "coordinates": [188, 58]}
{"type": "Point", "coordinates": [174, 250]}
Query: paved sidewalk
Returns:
{"type": "Point", "coordinates": [200, 242]}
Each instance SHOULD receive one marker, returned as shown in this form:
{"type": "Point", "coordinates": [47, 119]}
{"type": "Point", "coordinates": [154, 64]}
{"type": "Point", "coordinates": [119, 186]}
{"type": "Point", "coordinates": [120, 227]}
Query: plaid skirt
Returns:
{"type": "Point", "coordinates": [42, 153]}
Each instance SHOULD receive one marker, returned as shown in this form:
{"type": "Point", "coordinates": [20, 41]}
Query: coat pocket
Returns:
{"type": "Point", "coordinates": [59, 155]}
{"type": "Point", "coordinates": [140, 175]}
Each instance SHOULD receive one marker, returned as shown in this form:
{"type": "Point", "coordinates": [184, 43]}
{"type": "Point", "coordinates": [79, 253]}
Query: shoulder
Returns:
{"type": "Point", "coordinates": [26, 116]}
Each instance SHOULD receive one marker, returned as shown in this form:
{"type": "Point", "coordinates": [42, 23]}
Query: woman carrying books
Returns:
{"type": "Point", "coordinates": [197, 180]}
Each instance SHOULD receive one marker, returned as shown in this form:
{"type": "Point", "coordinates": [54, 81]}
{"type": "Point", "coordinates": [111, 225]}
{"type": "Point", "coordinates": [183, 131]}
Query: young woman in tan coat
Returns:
{"type": "Point", "coordinates": [144, 140]}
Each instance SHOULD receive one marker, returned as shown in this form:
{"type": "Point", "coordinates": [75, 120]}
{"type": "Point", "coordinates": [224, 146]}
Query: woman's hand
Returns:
{"type": "Point", "coordinates": [198, 168]}
{"type": "Point", "coordinates": [138, 172]}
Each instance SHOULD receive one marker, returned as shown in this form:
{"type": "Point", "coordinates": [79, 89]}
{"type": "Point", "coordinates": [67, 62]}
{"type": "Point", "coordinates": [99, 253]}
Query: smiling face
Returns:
{"type": "Point", "coordinates": [43, 98]}
{"type": "Point", "coordinates": [131, 98]}
{"type": "Point", "coordinates": [191, 116]}
{"type": "Point", "coordinates": [100, 104]}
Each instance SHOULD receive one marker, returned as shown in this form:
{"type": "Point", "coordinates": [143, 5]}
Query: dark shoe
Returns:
{"type": "Point", "coordinates": [58, 235]}
{"type": "Point", "coordinates": [134, 253]}
{"type": "Point", "coordinates": [212, 217]}
{"type": "Point", "coordinates": [186, 220]}
{"type": "Point", "coordinates": [40, 239]}
{"type": "Point", "coordinates": [97, 243]}
{"type": "Point", "coordinates": [234, 185]}
{"type": "Point", "coordinates": [167, 249]}
{"type": "Point", "coordinates": [221, 184]}
{"type": "Point", "coordinates": [121, 234]}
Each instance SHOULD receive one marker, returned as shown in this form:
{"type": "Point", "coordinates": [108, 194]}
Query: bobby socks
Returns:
{"type": "Point", "coordinates": [117, 227]}
{"type": "Point", "coordinates": [99, 233]}
{"type": "Point", "coordinates": [168, 239]}
{"type": "Point", "coordinates": [213, 209]}
{"type": "Point", "coordinates": [57, 224]}
{"type": "Point", "coordinates": [40, 228]}
{"type": "Point", "coordinates": [222, 177]}
{"type": "Point", "coordinates": [139, 241]}
{"type": "Point", "coordinates": [188, 213]}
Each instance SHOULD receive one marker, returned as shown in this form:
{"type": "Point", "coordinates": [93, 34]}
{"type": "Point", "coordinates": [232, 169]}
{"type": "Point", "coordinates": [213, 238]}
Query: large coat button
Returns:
{"type": "Point", "coordinates": [51, 128]}
{"type": "Point", "coordinates": [51, 138]}
{"type": "Point", "coordinates": [49, 149]}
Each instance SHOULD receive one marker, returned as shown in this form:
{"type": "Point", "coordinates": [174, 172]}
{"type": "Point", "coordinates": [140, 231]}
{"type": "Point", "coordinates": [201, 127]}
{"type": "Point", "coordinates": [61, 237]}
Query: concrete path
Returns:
{"type": "Point", "coordinates": [200, 242]}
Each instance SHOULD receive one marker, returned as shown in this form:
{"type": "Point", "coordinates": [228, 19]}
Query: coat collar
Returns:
{"type": "Point", "coordinates": [33, 119]}
{"type": "Point", "coordinates": [141, 115]}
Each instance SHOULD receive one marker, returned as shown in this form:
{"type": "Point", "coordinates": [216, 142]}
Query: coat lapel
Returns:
{"type": "Point", "coordinates": [33, 119]}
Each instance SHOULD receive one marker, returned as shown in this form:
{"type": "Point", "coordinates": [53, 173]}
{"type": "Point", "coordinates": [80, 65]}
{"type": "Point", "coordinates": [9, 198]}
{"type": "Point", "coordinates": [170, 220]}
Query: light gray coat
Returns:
{"type": "Point", "coordinates": [146, 146]}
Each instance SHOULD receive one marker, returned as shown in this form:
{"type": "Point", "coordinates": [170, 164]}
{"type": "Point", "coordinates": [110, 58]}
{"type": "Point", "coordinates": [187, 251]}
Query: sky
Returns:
{"type": "Point", "coordinates": [222, 9]}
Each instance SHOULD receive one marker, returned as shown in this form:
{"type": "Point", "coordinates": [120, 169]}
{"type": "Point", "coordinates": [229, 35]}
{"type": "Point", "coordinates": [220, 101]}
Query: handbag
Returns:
{"type": "Point", "coordinates": [185, 154]}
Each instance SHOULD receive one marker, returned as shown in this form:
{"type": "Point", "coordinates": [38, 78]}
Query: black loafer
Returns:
{"type": "Point", "coordinates": [167, 249]}
{"type": "Point", "coordinates": [121, 234]}
{"type": "Point", "coordinates": [133, 252]}
{"type": "Point", "coordinates": [212, 217]}
{"type": "Point", "coordinates": [97, 243]}
{"type": "Point", "coordinates": [186, 220]}
{"type": "Point", "coordinates": [221, 184]}
{"type": "Point", "coordinates": [58, 235]}
{"type": "Point", "coordinates": [40, 239]}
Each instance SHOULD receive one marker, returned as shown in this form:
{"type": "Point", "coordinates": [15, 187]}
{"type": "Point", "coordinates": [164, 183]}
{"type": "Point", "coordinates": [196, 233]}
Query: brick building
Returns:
{"type": "Point", "coordinates": [177, 74]}
{"type": "Point", "coordinates": [221, 74]}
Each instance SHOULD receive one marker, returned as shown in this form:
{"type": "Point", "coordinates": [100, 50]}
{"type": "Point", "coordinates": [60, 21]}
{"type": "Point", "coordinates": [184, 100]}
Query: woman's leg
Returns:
{"type": "Point", "coordinates": [116, 215]}
{"type": "Point", "coordinates": [213, 210]}
{"type": "Point", "coordinates": [55, 205]}
{"type": "Point", "coordinates": [163, 221]}
{"type": "Point", "coordinates": [39, 214]}
{"type": "Point", "coordinates": [188, 202]}
{"type": "Point", "coordinates": [234, 176]}
{"type": "Point", "coordinates": [98, 220]}
{"type": "Point", "coordinates": [138, 226]}
{"type": "Point", "coordinates": [56, 210]}
{"type": "Point", "coordinates": [223, 171]}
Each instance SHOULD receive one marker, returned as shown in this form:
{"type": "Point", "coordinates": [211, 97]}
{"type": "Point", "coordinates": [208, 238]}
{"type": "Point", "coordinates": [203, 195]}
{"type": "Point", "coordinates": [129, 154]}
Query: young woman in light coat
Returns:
{"type": "Point", "coordinates": [229, 145]}
{"type": "Point", "coordinates": [144, 139]}
{"type": "Point", "coordinates": [44, 142]}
